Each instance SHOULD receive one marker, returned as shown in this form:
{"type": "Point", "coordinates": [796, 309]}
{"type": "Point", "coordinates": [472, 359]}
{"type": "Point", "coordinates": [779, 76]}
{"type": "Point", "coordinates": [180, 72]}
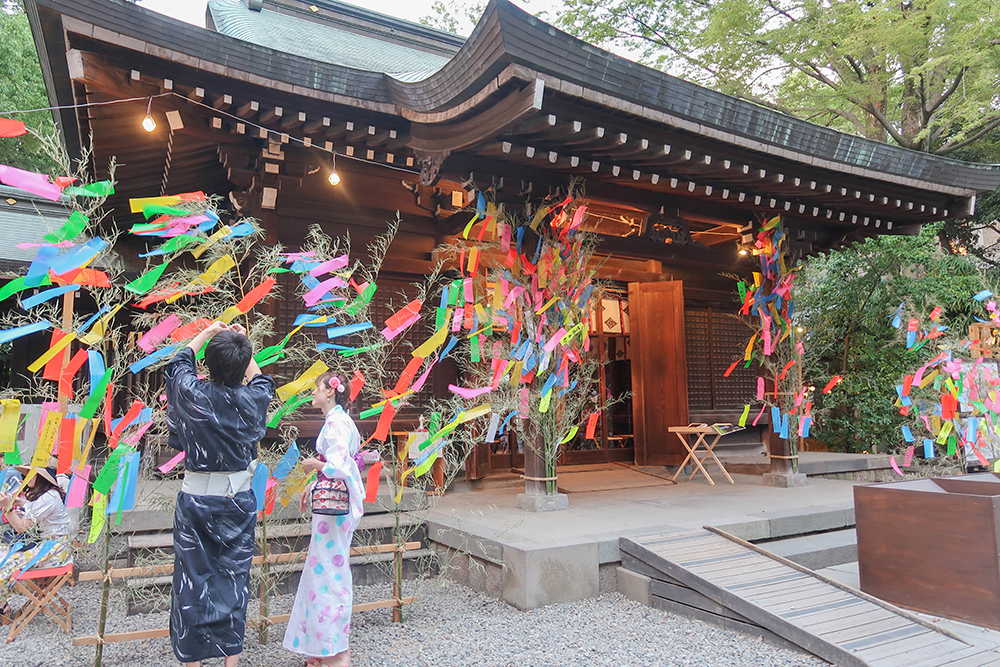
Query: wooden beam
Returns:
{"type": "Point", "coordinates": [222, 102]}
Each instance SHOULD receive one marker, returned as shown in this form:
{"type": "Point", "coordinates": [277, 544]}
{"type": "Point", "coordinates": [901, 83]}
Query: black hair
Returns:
{"type": "Point", "coordinates": [227, 357]}
{"type": "Point", "coordinates": [343, 398]}
{"type": "Point", "coordinates": [43, 486]}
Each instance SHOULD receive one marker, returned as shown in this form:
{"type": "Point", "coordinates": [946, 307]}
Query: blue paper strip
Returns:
{"type": "Point", "coordinates": [7, 335]}
{"type": "Point", "coordinates": [45, 295]}
{"type": "Point", "coordinates": [907, 434]}
{"type": "Point", "coordinates": [982, 296]}
{"type": "Point", "coordinates": [40, 266]}
{"type": "Point", "coordinates": [259, 484]}
{"type": "Point", "coordinates": [80, 256]}
{"type": "Point", "coordinates": [95, 364]}
{"type": "Point", "coordinates": [287, 462]}
{"type": "Point", "coordinates": [347, 329]}
{"type": "Point", "coordinates": [92, 319]}
{"type": "Point", "coordinates": [159, 355]}
{"type": "Point", "coordinates": [928, 449]}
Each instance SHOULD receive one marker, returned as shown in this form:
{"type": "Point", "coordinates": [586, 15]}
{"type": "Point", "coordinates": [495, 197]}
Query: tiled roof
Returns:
{"type": "Point", "coordinates": [326, 42]}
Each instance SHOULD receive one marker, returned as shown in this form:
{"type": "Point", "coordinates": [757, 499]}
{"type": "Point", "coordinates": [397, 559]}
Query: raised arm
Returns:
{"type": "Point", "coordinates": [206, 335]}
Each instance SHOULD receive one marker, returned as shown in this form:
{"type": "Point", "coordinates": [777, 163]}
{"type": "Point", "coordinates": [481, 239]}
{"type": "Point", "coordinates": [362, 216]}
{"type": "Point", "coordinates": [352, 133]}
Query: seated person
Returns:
{"type": "Point", "coordinates": [42, 525]}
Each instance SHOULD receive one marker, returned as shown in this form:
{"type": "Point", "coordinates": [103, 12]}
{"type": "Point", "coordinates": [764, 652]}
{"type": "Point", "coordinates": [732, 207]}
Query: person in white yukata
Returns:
{"type": "Point", "coordinates": [320, 622]}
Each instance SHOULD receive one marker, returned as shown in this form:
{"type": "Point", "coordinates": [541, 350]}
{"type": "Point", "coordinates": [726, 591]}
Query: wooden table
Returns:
{"type": "Point", "coordinates": [700, 430]}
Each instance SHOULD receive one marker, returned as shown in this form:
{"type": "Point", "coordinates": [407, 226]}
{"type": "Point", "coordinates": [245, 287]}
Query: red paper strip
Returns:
{"type": "Point", "coordinates": [948, 406]}
{"type": "Point", "coordinates": [88, 277]}
{"type": "Point", "coordinates": [784, 370]}
{"type": "Point", "coordinates": [12, 128]}
{"type": "Point", "coordinates": [371, 485]}
{"type": "Point", "coordinates": [384, 422]}
{"type": "Point", "coordinates": [834, 381]}
{"type": "Point", "coordinates": [408, 374]}
{"type": "Point", "coordinates": [731, 369]}
{"type": "Point", "coordinates": [190, 330]}
{"type": "Point", "coordinates": [72, 368]}
{"type": "Point", "coordinates": [591, 425]}
{"type": "Point", "coordinates": [67, 430]}
{"type": "Point", "coordinates": [53, 369]}
{"type": "Point", "coordinates": [907, 383]}
{"type": "Point", "coordinates": [405, 313]}
{"type": "Point", "coordinates": [108, 400]}
{"type": "Point", "coordinates": [255, 295]}
{"type": "Point", "coordinates": [129, 417]}
{"type": "Point", "coordinates": [357, 382]}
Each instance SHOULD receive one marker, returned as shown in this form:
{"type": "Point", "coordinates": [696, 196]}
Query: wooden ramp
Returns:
{"type": "Point", "coordinates": [711, 572]}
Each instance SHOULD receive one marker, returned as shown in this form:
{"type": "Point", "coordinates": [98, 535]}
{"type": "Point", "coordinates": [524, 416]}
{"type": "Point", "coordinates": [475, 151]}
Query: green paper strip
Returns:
{"type": "Point", "coordinates": [279, 269]}
{"type": "Point", "coordinates": [73, 227]}
{"type": "Point", "coordinates": [146, 281]}
{"type": "Point", "coordinates": [951, 445]}
{"type": "Point", "coordinates": [98, 189]}
{"type": "Point", "coordinates": [151, 210]}
{"type": "Point", "coordinates": [746, 413]}
{"type": "Point", "coordinates": [371, 412]}
{"type": "Point", "coordinates": [291, 405]}
{"type": "Point", "coordinates": [570, 435]}
{"type": "Point", "coordinates": [474, 351]}
{"type": "Point", "coordinates": [89, 408]}
{"type": "Point", "coordinates": [439, 315]}
{"type": "Point", "coordinates": [178, 242]}
{"type": "Point", "coordinates": [17, 285]}
{"type": "Point", "coordinates": [456, 287]}
{"type": "Point", "coordinates": [358, 350]}
{"type": "Point", "coordinates": [109, 472]}
{"type": "Point", "coordinates": [362, 300]}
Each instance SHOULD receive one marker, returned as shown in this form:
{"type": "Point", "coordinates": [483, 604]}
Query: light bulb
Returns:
{"type": "Point", "coordinates": [334, 178]}
{"type": "Point", "coordinates": [148, 123]}
{"type": "Point", "coordinates": [743, 251]}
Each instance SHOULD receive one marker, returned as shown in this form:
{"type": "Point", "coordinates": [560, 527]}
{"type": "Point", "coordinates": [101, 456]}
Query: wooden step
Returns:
{"type": "Point", "coordinates": [735, 580]}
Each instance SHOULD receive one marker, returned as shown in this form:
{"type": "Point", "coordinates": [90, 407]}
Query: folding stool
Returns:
{"type": "Point", "coordinates": [41, 587]}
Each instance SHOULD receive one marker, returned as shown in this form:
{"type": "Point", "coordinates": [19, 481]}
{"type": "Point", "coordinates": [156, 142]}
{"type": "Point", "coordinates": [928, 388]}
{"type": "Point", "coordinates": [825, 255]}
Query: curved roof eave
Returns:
{"type": "Point", "coordinates": [508, 35]}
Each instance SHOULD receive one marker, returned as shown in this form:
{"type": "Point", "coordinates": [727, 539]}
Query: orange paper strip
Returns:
{"type": "Point", "coordinates": [72, 368]}
{"type": "Point", "coordinates": [255, 295]}
{"type": "Point", "coordinates": [371, 486]}
{"type": "Point", "coordinates": [67, 430]}
{"type": "Point", "coordinates": [384, 422]}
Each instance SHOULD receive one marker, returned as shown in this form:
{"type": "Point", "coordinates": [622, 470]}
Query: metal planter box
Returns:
{"type": "Point", "coordinates": [931, 545]}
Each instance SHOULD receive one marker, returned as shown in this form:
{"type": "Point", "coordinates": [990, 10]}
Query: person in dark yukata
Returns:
{"type": "Point", "coordinates": [218, 424]}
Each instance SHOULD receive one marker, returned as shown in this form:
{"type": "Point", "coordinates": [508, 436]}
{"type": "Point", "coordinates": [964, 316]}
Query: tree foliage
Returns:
{"type": "Point", "coordinates": [450, 16]}
{"type": "Point", "coordinates": [21, 87]}
{"type": "Point", "coordinates": [921, 73]}
{"type": "Point", "coordinates": [852, 337]}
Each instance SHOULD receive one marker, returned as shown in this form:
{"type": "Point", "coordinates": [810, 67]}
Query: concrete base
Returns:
{"type": "Point", "coordinates": [784, 480]}
{"type": "Point", "coordinates": [534, 503]}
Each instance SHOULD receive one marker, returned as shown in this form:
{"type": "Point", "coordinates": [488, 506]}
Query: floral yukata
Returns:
{"type": "Point", "coordinates": [219, 428]}
{"type": "Point", "coordinates": [321, 616]}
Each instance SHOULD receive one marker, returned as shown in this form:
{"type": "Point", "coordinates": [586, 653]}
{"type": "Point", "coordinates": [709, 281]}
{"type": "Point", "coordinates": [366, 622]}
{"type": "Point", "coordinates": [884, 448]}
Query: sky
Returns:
{"type": "Point", "coordinates": [193, 11]}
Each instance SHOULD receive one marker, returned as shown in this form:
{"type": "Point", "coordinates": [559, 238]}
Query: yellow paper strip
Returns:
{"type": "Point", "coordinates": [478, 411]}
{"type": "Point", "coordinates": [9, 420]}
{"type": "Point", "coordinates": [298, 384]}
{"type": "Point", "coordinates": [434, 342]}
{"type": "Point", "coordinates": [210, 241]}
{"type": "Point", "coordinates": [230, 314]}
{"type": "Point", "coordinates": [97, 517]}
{"type": "Point", "coordinates": [47, 440]}
{"type": "Point", "coordinates": [136, 205]}
{"type": "Point", "coordinates": [547, 305]}
{"type": "Point", "coordinates": [37, 364]}
{"type": "Point", "coordinates": [97, 331]}
{"type": "Point", "coordinates": [215, 271]}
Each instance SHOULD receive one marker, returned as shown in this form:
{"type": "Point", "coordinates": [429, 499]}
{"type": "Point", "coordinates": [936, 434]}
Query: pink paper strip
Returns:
{"type": "Point", "coordinates": [760, 389]}
{"type": "Point", "coordinates": [390, 334]}
{"type": "Point", "coordinates": [524, 403]}
{"type": "Point", "coordinates": [556, 337]}
{"type": "Point", "coordinates": [28, 246]}
{"type": "Point", "coordinates": [468, 290]}
{"type": "Point", "coordinates": [29, 181]}
{"type": "Point", "coordinates": [135, 436]}
{"type": "Point", "coordinates": [513, 294]}
{"type": "Point", "coordinates": [172, 463]}
{"type": "Point", "coordinates": [908, 457]}
{"type": "Point", "coordinates": [328, 266]}
{"type": "Point", "coordinates": [419, 384]}
{"type": "Point", "coordinates": [47, 407]}
{"type": "Point", "coordinates": [293, 256]}
{"type": "Point", "coordinates": [759, 415]}
{"type": "Point", "coordinates": [316, 293]}
{"type": "Point", "coordinates": [469, 393]}
{"type": "Point", "coordinates": [77, 487]}
{"type": "Point", "coordinates": [152, 338]}
{"type": "Point", "coordinates": [456, 321]}
{"type": "Point", "coordinates": [892, 462]}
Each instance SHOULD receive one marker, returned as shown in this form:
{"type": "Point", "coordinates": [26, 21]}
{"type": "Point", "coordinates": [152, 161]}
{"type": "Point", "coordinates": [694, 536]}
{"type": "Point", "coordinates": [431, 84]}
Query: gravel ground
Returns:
{"type": "Point", "coordinates": [452, 625]}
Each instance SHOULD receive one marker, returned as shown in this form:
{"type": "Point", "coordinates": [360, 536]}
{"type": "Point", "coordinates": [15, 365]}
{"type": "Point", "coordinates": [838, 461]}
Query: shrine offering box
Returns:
{"type": "Point", "coordinates": [931, 545]}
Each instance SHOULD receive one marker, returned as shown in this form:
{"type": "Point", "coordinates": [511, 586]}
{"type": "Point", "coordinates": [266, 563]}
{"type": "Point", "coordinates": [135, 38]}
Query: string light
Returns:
{"type": "Point", "coordinates": [148, 123]}
{"type": "Point", "coordinates": [215, 111]}
{"type": "Point", "coordinates": [334, 177]}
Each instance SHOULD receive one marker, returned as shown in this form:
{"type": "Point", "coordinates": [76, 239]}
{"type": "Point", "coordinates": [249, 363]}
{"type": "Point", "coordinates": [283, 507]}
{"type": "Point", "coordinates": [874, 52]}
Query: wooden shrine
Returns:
{"type": "Point", "coordinates": [675, 174]}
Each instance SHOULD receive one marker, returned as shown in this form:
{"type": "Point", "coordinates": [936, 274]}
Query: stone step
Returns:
{"type": "Point", "coordinates": [145, 595]}
{"type": "Point", "coordinates": [819, 550]}
{"type": "Point", "coordinates": [792, 523]}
